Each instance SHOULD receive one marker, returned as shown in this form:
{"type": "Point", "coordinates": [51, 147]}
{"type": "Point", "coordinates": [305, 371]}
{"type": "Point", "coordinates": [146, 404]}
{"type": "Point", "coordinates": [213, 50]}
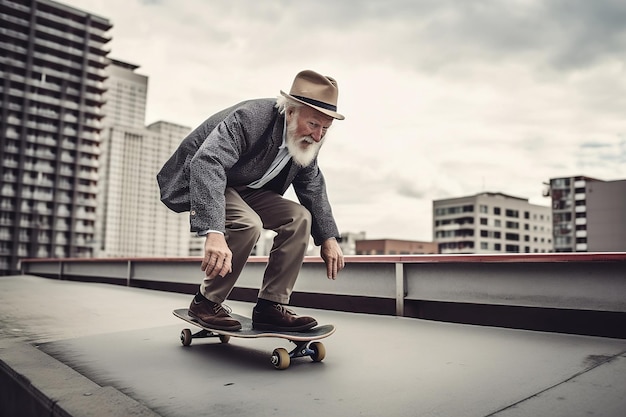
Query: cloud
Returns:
{"type": "Point", "coordinates": [606, 157]}
{"type": "Point", "coordinates": [443, 98]}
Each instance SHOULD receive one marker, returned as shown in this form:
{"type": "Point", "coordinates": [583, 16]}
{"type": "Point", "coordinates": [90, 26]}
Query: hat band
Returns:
{"type": "Point", "coordinates": [316, 103]}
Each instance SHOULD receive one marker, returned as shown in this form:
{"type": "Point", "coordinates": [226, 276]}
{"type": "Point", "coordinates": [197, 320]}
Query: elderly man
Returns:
{"type": "Point", "coordinates": [231, 172]}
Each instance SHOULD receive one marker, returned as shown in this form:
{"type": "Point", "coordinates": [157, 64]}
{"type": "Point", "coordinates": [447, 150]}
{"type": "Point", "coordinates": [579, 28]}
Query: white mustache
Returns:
{"type": "Point", "coordinates": [303, 156]}
{"type": "Point", "coordinates": [307, 139]}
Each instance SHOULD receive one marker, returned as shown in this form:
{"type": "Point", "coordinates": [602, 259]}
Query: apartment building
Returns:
{"type": "Point", "coordinates": [348, 242]}
{"type": "Point", "coordinates": [132, 221]}
{"type": "Point", "coordinates": [395, 247]}
{"type": "Point", "coordinates": [126, 95]}
{"type": "Point", "coordinates": [589, 214]}
{"type": "Point", "coordinates": [173, 237]}
{"type": "Point", "coordinates": [52, 72]}
{"type": "Point", "coordinates": [491, 223]}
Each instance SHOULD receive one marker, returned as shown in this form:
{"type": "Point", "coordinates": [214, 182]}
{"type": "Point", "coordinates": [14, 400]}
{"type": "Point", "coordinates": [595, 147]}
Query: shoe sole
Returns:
{"type": "Point", "coordinates": [273, 328]}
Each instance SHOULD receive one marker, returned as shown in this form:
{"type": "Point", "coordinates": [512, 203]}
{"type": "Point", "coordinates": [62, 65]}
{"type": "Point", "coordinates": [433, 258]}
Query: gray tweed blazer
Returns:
{"type": "Point", "coordinates": [235, 147]}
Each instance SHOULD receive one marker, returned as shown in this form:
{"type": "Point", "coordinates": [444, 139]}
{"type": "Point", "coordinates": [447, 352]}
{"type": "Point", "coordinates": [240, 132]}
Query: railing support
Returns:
{"type": "Point", "coordinates": [129, 272]}
{"type": "Point", "coordinates": [400, 289]}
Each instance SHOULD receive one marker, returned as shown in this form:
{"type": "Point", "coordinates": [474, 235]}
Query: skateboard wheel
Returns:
{"type": "Point", "coordinates": [319, 351]}
{"type": "Point", "coordinates": [224, 338]}
{"type": "Point", "coordinates": [185, 337]}
{"type": "Point", "coordinates": [280, 358]}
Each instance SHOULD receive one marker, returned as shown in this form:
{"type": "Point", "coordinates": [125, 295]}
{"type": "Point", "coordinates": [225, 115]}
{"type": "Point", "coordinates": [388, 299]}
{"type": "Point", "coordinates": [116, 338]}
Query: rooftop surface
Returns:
{"type": "Point", "coordinates": [98, 349]}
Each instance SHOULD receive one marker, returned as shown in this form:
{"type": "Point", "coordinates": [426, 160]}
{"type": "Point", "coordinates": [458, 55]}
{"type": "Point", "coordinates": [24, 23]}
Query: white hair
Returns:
{"type": "Point", "coordinates": [283, 103]}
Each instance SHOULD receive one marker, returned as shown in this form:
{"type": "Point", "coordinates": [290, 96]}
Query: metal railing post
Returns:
{"type": "Point", "coordinates": [400, 289]}
{"type": "Point", "coordinates": [129, 272]}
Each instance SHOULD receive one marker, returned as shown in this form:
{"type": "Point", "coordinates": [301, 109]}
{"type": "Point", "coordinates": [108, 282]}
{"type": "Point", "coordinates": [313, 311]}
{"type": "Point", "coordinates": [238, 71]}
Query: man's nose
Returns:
{"type": "Point", "coordinates": [318, 134]}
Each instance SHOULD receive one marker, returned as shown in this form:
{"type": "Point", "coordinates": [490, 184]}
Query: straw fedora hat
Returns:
{"type": "Point", "coordinates": [316, 91]}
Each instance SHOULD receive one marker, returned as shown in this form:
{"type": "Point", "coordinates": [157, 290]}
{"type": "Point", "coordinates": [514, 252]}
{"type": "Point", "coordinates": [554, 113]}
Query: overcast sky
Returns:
{"type": "Point", "coordinates": [442, 98]}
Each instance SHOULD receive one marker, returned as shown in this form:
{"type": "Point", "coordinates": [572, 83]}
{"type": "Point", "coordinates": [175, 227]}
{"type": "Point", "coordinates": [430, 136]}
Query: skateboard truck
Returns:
{"type": "Point", "coordinates": [186, 336]}
{"type": "Point", "coordinates": [315, 350]}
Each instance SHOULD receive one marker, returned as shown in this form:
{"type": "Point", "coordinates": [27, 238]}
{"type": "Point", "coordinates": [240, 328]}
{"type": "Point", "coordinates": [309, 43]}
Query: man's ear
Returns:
{"type": "Point", "coordinates": [289, 113]}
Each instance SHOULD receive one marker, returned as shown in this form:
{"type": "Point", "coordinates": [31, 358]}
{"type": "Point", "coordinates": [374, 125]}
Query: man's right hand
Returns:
{"type": "Point", "coordinates": [217, 256]}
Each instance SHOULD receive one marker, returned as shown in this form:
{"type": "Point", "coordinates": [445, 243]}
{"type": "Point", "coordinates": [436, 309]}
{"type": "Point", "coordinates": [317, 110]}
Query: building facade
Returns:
{"type": "Point", "coordinates": [347, 242]}
{"type": "Point", "coordinates": [491, 223]}
{"type": "Point", "coordinates": [588, 214]}
{"type": "Point", "coordinates": [395, 247]}
{"type": "Point", "coordinates": [52, 72]}
{"type": "Point", "coordinates": [132, 221]}
{"type": "Point", "coordinates": [126, 95]}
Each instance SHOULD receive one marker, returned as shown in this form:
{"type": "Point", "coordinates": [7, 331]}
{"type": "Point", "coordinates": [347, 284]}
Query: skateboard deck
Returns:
{"type": "Point", "coordinates": [305, 341]}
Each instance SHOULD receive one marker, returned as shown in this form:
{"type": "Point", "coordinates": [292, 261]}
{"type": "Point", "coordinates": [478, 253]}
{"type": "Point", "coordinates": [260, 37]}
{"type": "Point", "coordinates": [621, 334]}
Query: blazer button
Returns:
{"type": "Point", "coordinates": [193, 212]}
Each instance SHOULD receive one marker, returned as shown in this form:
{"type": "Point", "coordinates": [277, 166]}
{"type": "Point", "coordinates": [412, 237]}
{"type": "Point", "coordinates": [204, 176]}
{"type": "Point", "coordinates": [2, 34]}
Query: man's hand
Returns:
{"type": "Point", "coordinates": [333, 257]}
{"type": "Point", "coordinates": [217, 256]}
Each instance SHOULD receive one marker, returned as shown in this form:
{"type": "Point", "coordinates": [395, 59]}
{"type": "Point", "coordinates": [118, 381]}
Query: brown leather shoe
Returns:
{"type": "Point", "coordinates": [279, 318]}
{"type": "Point", "coordinates": [213, 315]}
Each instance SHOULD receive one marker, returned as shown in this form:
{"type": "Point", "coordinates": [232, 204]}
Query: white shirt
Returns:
{"type": "Point", "coordinates": [282, 158]}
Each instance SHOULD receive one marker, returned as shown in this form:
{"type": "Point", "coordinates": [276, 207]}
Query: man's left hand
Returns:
{"type": "Point", "coordinates": [333, 257]}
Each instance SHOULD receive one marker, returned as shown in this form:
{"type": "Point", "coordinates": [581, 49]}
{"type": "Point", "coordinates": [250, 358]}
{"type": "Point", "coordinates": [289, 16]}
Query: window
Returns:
{"type": "Point", "coordinates": [484, 209]}
{"type": "Point", "coordinates": [511, 236]}
{"type": "Point", "coordinates": [560, 182]}
{"type": "Point", "coordinates": [512, 213]}
{"type": "Point", "coordinates": [454, 210]}
{"type": "Point", "coordinates": [563, 217]}
{"type": "Point", "coordinates": [512, 248]}
{"type": "Point", "coordinates": [496, 211]}
{"type": "Point", "coordinates": [483, 221]}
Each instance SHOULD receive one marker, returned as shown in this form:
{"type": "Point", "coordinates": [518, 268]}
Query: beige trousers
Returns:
{"type": "Point", "coordinates": [248, 213]}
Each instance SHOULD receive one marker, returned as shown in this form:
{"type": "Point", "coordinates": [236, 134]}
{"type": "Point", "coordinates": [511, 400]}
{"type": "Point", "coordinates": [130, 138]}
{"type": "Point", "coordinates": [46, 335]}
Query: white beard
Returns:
{"type": "Point", "coordinates": [303, 156]}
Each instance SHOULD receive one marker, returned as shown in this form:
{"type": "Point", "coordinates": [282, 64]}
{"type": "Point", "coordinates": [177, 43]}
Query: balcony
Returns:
{"type": "Point", "coordinates": [61, 21]}
{"type": "Point", "coordinates": [12, 133]}
{"type": "Point", "coordinates": [447, 227]}
{"type": "Point", "coordinates": [7, 191]}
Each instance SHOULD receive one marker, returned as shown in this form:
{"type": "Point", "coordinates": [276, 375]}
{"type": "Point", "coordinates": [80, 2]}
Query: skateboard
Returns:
{"type": "Point", "coordinates": [306, 341]}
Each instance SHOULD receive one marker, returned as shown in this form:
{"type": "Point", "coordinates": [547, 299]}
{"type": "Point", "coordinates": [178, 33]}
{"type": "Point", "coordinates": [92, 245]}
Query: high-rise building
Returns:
{"type": "Point", "coordinates": [588, 214]}
{"type": "Point", "coordinates": [132, 221]}
{"type": "Point", "coordinates": [491, 223]}
{"type": "Point", "coordinates": [52, 72]}
{"type": "Point", "coordinates": [127, 94]}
